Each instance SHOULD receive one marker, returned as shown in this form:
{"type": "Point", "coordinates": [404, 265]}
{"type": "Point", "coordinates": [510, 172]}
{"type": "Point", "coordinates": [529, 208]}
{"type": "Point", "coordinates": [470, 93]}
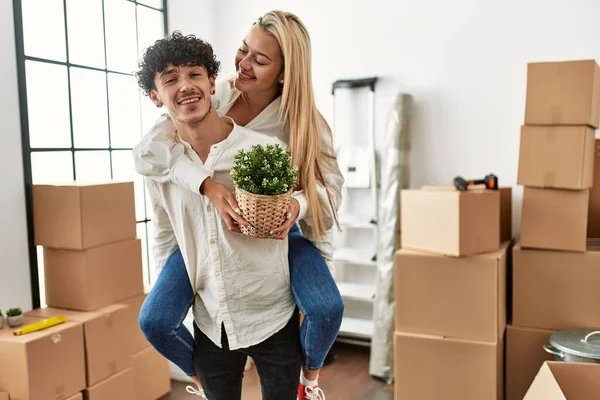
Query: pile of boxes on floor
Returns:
{"type": "Point", "coordinates": [450, 290]}
{"type": "Point", "coordinates": [93, 276]}
{"type": "Point", "coordinates": [458, 275]}
{"type": "Point", "coordinates": [556, 267]}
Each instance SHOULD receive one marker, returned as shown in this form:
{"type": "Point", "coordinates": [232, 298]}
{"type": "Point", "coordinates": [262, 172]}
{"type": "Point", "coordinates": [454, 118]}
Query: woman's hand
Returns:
{"type": "Point", "coordinates": [224, 201]}
{"type": "Point", "coordinates": [292, 214]}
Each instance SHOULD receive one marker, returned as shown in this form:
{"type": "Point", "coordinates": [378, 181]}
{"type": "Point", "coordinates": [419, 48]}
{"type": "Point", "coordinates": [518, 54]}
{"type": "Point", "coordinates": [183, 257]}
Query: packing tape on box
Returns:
{"type": "Point", "coordinates": [112, 367]}
{"type": "Point", "coordinates": [549, 179]}
{"type": "Point", "coordinates": [551, 133]}
{"type": "Point", "coordinates": [555, 115]}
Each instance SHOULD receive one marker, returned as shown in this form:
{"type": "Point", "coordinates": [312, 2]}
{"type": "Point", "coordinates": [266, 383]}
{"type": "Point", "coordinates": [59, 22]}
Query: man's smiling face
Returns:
{"type": "Point", "coordinates": [185, 91]}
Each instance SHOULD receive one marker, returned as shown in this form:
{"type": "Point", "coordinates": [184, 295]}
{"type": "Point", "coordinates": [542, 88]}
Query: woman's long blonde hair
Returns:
{"type": "Point", "coordinates": [298, 109]}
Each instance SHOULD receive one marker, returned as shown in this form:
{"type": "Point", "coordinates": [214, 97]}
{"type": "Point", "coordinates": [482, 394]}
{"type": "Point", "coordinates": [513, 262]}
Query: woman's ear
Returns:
{"type": "Point", "coordinates": [154, 97]}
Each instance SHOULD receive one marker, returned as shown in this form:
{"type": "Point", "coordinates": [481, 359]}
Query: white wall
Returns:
{"type": "Point", "coordinates": [15, 286]}
{"type": "Point", "coordinates": [464, 61]}
{"type": "Point", "coordinates": [195, 17]}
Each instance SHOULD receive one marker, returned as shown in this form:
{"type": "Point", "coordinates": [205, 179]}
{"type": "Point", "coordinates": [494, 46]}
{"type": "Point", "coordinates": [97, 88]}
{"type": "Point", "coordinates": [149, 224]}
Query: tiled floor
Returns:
{"type": "Point", "coordinates": [347, 378]}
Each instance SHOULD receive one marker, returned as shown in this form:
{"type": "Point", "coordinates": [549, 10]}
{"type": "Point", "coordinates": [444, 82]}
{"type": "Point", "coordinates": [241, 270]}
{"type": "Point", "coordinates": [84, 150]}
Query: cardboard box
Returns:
{"type": "Point", "coordinates": [593, 229]}
{"type": "Point", "coordinates": [42, 365]}
{"type": "Point", "coordinates": [554, 219]}
{"type": "Point", "coordinates": [555, 289]}
{"type": "Point", "coordinates": [152, 375]}
{"type": "Point", "coordinates": [565, 381]}
{"type": "Point", "coordinates": [433, 368]}
{"type": "Point", "coordinates": [136, 341]}
{"type": "Point", "coordinates": [450, 222]}
{"type": "Point", "coordinates": [563, 93]}
{"type": "Point", "coordinates": [87, 280]}
{"type": "Point", "coordinates": [505, 208]}
{"type": "Point", "coordinates": [117, 387]}
{"type": "Point", "coordinates": [4, 396]}
{"type": "Point", "coordinates": [505, 214]}
{"type": "Point", "coordinates": [559, 157]}
{"type": "Point", "coordinates": [453, 297]}
{"type": "Point", "coordinates": [80, 217]}
{"type": "Point", "coordinates": [78, 396]}
{"type": "Point", "coordinates": [106, 351]}
{"type": "Point", "coordinates": [524, 357]}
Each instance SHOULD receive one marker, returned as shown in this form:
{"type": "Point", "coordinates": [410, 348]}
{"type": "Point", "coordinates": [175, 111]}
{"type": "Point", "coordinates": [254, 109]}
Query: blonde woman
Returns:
{"type": "Point", "coordinates": [271, 93]}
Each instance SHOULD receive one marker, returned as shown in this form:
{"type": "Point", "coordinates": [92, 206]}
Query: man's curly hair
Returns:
{"type": "Point", "coordinates": [178, 50]}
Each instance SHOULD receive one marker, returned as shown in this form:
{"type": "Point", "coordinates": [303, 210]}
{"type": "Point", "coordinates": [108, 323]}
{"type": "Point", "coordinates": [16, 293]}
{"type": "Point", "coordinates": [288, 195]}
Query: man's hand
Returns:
{"type": "Point", "coordinates": [224, 201]}
{"type": "Point", "coordinates": [292, 214]}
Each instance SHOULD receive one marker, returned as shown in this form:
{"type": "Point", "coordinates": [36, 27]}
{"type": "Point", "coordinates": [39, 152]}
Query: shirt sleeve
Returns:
{"type": "Point", "coordinates": [334, 182]}
{"type": "Point", "coordinates": [160, 157]}
{"type": "Point", "coordinates": [164, 242]}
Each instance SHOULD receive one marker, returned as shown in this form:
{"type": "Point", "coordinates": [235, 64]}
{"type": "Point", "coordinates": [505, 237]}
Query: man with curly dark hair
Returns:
{"type": "Point", "coordinates": [166, 57]}
{"type": "Point", "coordinates": [239, 286]}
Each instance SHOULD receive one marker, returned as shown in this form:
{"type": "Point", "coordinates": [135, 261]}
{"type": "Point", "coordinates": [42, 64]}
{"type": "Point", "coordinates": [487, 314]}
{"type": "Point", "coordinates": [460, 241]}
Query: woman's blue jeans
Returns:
{"type": "Point", "coordinates": [314, 289]}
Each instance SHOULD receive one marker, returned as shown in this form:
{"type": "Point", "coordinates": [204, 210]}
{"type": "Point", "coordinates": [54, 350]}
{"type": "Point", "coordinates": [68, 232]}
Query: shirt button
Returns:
{"type": "Point", "coordinates": [208, 208]}
{"type": "Point", "coordinates": [212, 241]}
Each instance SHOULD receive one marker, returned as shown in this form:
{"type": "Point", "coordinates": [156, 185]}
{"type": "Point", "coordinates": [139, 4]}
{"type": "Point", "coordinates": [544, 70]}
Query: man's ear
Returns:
{"type": "Point", "coordinates": [212, 85]}
{"type": "Point", "coordinates": [154, 97]}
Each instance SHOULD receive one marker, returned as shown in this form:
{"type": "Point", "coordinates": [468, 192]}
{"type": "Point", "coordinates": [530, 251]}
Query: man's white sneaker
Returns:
{"type": "Point", "coordinates": [197, 392]}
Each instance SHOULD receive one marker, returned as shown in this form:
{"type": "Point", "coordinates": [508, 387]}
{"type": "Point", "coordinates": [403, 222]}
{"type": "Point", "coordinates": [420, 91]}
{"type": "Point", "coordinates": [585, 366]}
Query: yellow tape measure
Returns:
{"type": "Point", "coordinates": [40, 325]}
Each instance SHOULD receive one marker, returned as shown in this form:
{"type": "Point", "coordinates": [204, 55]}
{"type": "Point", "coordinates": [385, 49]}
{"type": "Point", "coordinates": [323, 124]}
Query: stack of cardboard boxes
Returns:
{"type": "Point", "coordinates": [93, 276]}
{"type": "Point", "coordinates": [450, 291]}
{"type": "Point", "coordinates": [555, 271]}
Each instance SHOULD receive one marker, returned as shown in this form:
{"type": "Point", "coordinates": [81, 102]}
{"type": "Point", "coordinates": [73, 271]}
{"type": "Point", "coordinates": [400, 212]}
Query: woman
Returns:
{"type": "Point", "coordinates": [271, 93]}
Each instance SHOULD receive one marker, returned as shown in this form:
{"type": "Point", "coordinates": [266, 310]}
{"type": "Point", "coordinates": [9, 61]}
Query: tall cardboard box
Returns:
{"type": "Point", "coordinates": [565, 381]}
{"type": "Point", "coordinates": [450, 222]}
{"type": "Point", "coordinates": [4, 396]}
{"type": "Point", "coordinates": [560, 157]}
{"type": "Point", "coordinates": [593, 229]}
{"type": "Point", "coordinates": [117, 387]}
{"type": "Point", "coordinates": [151, 373]}
{"type": "Point", "coordinates": [563, 93]}
{"type": "Point", "coordinates": [432, 368]}
{"type": "Point", "coordinates": [79, 216]}
{"type": "Point", "coordinates": [554, 219]}
{"type": "Point", "coordinates": [43, 365]}
{"type": "Point", "coordinates": [524, 357]}
{"type": "Point", "coordinates": [451, 297]}
{"type": "Point", "coordinates": [556, 289]}
{"type": "Point", "coordinates": [105, 349]}
{"type": "Point", "coordinates": [86, 280]}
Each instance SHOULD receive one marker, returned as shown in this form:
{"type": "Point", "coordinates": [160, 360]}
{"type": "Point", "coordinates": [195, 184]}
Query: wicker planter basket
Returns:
{"type": "Point", "coordinates": [263, 212]}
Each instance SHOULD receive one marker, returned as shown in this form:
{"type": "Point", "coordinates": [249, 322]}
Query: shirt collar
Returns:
{"type": "Point", "coordinates": [220, 146]}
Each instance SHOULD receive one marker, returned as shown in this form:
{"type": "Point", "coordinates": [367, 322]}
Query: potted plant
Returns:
{"type": "Point", "coordinates": [14, 317]}
{"type": "Point", "coordinates": [1, 320]}
{"type": "Point", "coordinates": [264, 179]}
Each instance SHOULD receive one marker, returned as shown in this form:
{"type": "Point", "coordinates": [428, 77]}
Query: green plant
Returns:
{"type": "Point", "coordinates": [266, 170]}
{"type": "Point", "coordinates": [14, 312]}
{"type": "Point", "coordinates": [0, 313]}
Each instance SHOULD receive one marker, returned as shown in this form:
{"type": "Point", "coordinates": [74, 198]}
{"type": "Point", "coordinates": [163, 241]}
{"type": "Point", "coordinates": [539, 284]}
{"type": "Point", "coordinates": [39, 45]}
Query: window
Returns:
{"type": "Point", "coordinates": [81, 109]}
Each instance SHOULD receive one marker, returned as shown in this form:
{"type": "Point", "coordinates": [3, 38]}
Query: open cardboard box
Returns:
{"type": "Point", "coordinates": [558, 380]}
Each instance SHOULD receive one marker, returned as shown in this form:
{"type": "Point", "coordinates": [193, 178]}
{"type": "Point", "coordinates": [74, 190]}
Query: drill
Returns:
{"type": "Point", "coordinates": [490, 181]}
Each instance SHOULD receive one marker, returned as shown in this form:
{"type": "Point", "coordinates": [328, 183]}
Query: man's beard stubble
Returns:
{"type": "Point", "coordinates": [197, 120]}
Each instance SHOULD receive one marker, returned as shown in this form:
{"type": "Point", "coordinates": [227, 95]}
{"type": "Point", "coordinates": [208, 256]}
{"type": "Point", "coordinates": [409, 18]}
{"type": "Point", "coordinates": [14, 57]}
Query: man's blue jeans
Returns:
{"type": "Point", "coordinates": [314, 289]}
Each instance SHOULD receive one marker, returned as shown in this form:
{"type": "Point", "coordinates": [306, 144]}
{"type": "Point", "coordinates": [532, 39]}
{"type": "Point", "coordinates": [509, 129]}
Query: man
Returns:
{"type": "Point", "coordinates": [243, 305]}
